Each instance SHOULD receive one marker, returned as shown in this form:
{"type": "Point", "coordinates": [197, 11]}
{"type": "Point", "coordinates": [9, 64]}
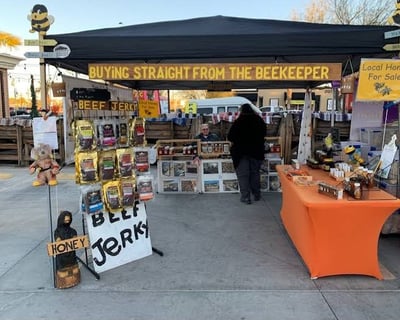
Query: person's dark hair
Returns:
{"type": "Point", "coordinates": [246, 109]}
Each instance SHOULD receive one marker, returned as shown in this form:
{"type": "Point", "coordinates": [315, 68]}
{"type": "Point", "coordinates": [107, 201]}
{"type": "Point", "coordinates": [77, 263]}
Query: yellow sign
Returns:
{"type": "Point", "coordinates": [216, 72]}
{"type": "Point", "coordinates": [191, 107]}
{"type": "Point", "coordinates": [68, 245]}
{"type": "Point", "coordinates": [379, 80]}
{"type": "Point", "coordinates": [149, 109]}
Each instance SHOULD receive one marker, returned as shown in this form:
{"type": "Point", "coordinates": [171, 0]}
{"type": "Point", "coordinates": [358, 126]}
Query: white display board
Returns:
{"type": "Point", "coordinates": [118, 238]}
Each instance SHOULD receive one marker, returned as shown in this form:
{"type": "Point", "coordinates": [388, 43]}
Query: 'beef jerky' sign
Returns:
{"type": "Point", "coordinates": [118, 238]}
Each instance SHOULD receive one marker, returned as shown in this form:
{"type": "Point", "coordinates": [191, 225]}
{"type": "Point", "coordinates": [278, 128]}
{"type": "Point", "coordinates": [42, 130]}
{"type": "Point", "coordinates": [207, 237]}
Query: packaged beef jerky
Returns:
{"type": "Point", "coordinates": [137, 132]}
{"type": "Point", "coordinates": [111, 195]}
{"type": "Point", "coordinates": [86, 167]}
{"type": "Point", "coordinates": [122, 133]}
{"type": "Point", "coordinates": [107, 134]}
{"type": "Point", "coordinates": [145, 187]}
{"type": "Point", "coordinates": [128, 192]}
{"type": "Point", "coordinates": [107, 165]}
{"type": "Point", "coordinates": [142, 163]}
{"type": "Point", "coordinates": [84, 135]}
{"type": "Point", "coordinates": [125, 162]}
{"type": "Point", "coordinates": [92, 201]}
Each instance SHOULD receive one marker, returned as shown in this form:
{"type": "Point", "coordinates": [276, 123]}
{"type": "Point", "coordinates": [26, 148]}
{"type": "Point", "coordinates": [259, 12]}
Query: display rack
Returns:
{"type": "Point", "coordinates": [215, 149]}
{"type": "Point", "coordinates": [181, 149]}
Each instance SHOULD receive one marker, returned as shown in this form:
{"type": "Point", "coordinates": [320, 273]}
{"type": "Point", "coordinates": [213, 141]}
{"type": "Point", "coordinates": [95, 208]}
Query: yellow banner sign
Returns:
{"type": "Point", "coordinates": [68, 245]}
{"type": "Point", "coordinates": [379, 80]}
{"type": "Point", "coordinates": [216, 72]}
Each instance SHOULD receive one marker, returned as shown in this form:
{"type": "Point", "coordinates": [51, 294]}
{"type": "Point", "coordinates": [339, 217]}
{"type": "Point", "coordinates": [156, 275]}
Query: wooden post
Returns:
{"type": "Point", "coordinates": [43, 93]}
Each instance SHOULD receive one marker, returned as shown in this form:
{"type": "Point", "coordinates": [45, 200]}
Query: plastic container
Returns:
{"type": "Point", "coordinates": [372, 136]}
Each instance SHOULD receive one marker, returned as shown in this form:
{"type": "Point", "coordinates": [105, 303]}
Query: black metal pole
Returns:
{"type": "Point", "coordinates": [51, 235]}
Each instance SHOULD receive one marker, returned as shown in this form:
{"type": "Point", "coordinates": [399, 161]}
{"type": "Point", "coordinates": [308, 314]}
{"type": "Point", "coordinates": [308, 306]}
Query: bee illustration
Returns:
{"type": "Point", "coordinates": [40, 19]}
{"type": "Point", "coordinates": [395, 18]}
{"type": "Point", "coordinates": [382, 88]}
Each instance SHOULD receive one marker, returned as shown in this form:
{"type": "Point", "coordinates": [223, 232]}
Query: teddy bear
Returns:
{"type": "Point", "coordinates": [47, 167]}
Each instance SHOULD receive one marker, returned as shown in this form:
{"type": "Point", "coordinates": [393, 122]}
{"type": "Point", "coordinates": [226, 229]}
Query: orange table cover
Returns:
{"type": "Point", "coordinates": [334, 236]}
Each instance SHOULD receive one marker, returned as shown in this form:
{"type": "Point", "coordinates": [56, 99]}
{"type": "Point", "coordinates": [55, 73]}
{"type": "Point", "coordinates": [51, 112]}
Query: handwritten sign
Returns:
{"type": "Point", "coordinates": [68, 245]}
{"type": "Point", "coordinates": [45, 131]}
{"type": "Point", "coordinates": [379, 80]}
{"type": "Point", "coordinates": [118, 238]}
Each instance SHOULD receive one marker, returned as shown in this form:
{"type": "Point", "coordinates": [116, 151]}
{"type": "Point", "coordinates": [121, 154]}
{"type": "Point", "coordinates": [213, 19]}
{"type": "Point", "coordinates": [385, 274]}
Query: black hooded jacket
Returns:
{"type": "Point", "coordinates": [247, 135]}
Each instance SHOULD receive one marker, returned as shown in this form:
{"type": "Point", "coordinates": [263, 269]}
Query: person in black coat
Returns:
{"type": "Point", "coordinates": [247, 135]}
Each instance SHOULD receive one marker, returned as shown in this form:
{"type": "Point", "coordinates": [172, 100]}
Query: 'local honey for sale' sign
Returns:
{"type": "Point", "coordinates": [379, 80]}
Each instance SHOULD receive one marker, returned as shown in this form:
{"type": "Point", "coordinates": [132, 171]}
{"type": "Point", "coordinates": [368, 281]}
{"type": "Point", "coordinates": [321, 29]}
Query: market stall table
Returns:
{"type": "Point", "coordinates": [334, 237]}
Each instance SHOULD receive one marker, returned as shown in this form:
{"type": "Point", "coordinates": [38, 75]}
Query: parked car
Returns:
{"type": "Point", "coordinates": [273, 109]}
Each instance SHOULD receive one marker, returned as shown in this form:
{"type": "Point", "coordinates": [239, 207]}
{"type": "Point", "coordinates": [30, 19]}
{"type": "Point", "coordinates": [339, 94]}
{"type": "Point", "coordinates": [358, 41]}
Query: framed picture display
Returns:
{"type": "Point", "coordinates": [218, 175]}
{"type": "Point", "coordinates": [177, 176]}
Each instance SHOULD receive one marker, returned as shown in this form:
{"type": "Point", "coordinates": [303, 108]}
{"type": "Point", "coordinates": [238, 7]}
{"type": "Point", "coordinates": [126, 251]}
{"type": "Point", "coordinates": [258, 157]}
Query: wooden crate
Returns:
{"type": "Point", "coordinates": [156, 130]}
{"type": "Point", "coordinates": [182, 132]}
{"type": "Point", "coordinates": [10, 143]}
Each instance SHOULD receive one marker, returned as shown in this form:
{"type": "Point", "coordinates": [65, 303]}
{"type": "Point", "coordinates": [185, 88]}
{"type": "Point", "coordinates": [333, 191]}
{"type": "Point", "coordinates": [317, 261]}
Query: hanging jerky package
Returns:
{"type": "Point", "coordinates": [128, 192]}
{"type": "Point", "coordinates": [137, 132]}
{"type": "Point", "coordinates": [142, 163]}
{"type": "Point", "coordinates": [92, 201]}
{"type": "Point", "coordinates": [107, 165]}
{"type": "Point", "coordinates": [145, 187]}
{"type": "Point", "coordinates": [86, 167]}
{"type": "Point", "coordinates": [122, 133]}
{"type": "Point", "coordinates": [125, 162]}
{"type": "Point", "coordinates": [111, 194]}
{"type": "Point", "coordinates": [107, 134]}
{"type": "Point", "coordinates": [84, 135]}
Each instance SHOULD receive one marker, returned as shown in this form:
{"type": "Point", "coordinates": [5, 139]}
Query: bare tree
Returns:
{"type": "Point", "coordinates": [360, 12]}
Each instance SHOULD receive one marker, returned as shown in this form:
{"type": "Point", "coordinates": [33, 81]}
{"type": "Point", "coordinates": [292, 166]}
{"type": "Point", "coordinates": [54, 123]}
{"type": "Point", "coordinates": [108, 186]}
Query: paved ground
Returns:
{"type": "Point", "coordinates": [222, 260]}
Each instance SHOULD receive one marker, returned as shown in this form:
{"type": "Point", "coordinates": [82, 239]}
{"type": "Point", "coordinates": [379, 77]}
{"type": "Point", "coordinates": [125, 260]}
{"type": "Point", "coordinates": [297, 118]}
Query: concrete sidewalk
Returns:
{"type": "Point", "coordinates": [222, 260]}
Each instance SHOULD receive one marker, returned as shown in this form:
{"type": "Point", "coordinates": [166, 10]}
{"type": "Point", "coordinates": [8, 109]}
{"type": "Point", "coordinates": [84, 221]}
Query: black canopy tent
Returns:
{"type": "Point", "coordinates": [221, 39]}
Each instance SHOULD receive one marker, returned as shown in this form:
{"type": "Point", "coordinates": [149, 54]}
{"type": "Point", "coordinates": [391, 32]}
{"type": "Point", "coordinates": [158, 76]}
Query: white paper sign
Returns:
{"type": "Point", "coordinates": [387, 157]}
{"type": "Point", "coordinates": [45, 131]}
{"type": "Point", "coordinates": [118, 238]}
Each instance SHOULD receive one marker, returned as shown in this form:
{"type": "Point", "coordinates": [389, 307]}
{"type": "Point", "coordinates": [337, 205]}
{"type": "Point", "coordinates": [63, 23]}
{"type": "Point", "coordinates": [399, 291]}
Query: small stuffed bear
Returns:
{"type": "Point", "coordinates": [47, 167]}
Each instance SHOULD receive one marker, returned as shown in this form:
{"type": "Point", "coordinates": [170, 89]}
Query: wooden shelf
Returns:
{"type": "Point", "coordinates": [177, 148]}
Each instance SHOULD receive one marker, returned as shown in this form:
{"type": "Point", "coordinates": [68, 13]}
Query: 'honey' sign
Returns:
{"type": "Point", "coordinates": [68, 245]}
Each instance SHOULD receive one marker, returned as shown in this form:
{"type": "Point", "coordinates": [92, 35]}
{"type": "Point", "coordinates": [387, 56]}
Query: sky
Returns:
{"type": "Point", "coordinates": [80, 15]}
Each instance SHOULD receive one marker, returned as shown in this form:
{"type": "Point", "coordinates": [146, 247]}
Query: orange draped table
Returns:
{"type": "Point", "coordinates": [333, 236]}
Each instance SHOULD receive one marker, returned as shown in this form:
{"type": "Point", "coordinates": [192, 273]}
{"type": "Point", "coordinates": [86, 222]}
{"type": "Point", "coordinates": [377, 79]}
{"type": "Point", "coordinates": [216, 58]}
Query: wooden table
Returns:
{"type": "Point", "coordinates": [334, 237]}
